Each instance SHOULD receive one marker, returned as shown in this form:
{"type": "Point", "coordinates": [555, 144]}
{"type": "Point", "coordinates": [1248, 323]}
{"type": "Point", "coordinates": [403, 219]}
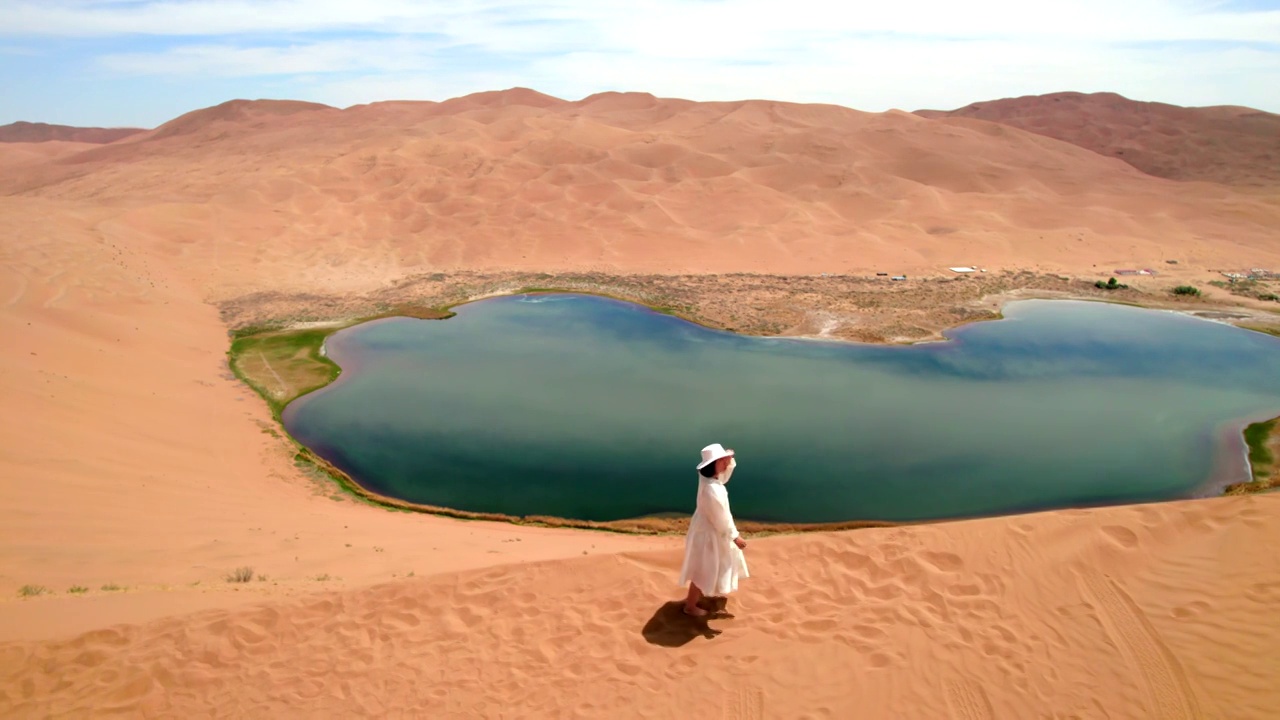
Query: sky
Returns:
{"type": "Point", "coordinates": [140, 63]}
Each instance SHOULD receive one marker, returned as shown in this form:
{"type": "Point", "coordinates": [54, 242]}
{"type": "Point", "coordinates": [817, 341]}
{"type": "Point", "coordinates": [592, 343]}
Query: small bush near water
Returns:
{"type": "Point", "coordinates": [1188, 290]}
{"type": "Point", "coordinates": [1110, 285]}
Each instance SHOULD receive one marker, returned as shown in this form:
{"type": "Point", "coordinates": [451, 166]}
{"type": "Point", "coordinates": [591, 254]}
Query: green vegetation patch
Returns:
{"type": "Point", "coordinates": [1257, 436]}
{"type": "Point", "coordinates": [1110, 285]}
{"type": "Point", "coordinates": [282, 365]}
{"type": "Point", "coordinates": [1247, 288]}
{"type": "Point", "coordinates": [1266, 329]}
{"type": "Point", "coordinates": [1262, 438]}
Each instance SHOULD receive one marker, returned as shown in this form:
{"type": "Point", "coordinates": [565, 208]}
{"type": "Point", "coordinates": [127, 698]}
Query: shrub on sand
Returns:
{"type": "Point", "coordinates": [241, 575]}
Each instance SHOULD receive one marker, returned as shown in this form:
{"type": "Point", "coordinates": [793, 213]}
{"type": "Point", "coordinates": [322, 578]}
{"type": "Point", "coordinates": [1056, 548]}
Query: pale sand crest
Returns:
{"type": "Point", "coordinates": [131, 457]}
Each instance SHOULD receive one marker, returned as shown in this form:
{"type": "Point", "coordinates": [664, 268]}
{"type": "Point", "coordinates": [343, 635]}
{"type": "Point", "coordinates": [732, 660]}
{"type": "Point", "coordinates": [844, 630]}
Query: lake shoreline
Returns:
{"type": "Point", "coordinates": [319, 331]}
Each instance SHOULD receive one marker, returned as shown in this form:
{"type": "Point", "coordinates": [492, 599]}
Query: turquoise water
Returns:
{"type": "Point", "coordinates": [583, 407]}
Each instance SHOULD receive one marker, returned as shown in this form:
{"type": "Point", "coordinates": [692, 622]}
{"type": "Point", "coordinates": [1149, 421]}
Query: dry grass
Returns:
{"type": "Point", "coordinates": [850, 307]}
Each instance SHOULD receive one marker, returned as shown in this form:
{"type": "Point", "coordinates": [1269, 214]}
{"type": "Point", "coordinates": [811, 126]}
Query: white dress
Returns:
{"type": "Point", "coordinates": [711, 560]}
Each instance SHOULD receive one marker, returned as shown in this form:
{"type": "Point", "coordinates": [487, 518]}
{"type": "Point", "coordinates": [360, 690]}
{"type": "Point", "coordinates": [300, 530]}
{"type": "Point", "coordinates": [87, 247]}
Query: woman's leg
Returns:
{"type": "Point", "coordinates": [691, 602]}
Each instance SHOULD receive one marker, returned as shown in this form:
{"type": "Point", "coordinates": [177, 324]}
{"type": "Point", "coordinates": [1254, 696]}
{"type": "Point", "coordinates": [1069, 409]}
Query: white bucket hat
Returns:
{"type": "Point", "coordinates": [712, 453]}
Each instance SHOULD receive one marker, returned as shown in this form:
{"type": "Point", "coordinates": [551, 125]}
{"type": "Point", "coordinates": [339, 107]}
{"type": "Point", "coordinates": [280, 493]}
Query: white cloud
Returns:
{"type": "Point", "coordinates": [906, 54]}
{"type": "Point", "coordinates": [877, 75]}
{"type": "Point", "coordinates": [728, 25]}
{"type": "Point", "coordinates": [871, 75]}
{"type": "Point", "coordinates": [390, 55]}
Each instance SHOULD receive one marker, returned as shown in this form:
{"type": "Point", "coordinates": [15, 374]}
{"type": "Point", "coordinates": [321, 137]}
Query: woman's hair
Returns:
{"type": "Point", "coordinates": [709, 470]}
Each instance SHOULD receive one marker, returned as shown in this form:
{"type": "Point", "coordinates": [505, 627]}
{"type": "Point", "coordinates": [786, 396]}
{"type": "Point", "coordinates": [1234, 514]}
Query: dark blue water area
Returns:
{"type": "Point", "coordinates": [584, 407]}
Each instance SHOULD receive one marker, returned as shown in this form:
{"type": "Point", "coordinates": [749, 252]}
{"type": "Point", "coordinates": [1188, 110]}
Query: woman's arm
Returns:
{"type": "Point", "coordinates": [718, 512]}
{"type": "Point", "coordinates": [728, 472]}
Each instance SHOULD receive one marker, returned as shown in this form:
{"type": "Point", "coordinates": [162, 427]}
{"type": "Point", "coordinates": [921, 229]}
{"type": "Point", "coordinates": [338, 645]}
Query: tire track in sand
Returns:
{"type": "Point", "coordinates": [1162, 675]}
{"type": "Point", "coordinates": [746, 704]}
{"type": "Point", "coordinates": [968, 701]}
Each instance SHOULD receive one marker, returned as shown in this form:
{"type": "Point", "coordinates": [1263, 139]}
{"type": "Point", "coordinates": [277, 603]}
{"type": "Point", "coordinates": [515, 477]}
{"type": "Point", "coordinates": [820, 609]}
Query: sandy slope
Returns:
{"type": "Point", "coordinates": [129, 456]}
{"type": "Point", "coordinates": [1233, 145]}
{"type": "Point", "coordinates": [1141, 612]}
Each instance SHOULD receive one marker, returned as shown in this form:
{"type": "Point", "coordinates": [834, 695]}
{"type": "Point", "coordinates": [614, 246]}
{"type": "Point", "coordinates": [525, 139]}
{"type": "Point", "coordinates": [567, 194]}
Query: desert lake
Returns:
{"type": "Point", "coordinates": [585, 407]}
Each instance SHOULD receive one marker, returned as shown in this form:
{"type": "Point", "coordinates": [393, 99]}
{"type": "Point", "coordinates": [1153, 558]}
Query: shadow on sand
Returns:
{"type": "Point", "coordinates": [671, 627]}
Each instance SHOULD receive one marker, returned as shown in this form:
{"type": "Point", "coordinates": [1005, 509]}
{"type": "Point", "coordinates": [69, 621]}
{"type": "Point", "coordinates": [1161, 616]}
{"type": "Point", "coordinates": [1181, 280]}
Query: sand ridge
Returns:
{"type": "Point", "coordinates": [1232, 145]}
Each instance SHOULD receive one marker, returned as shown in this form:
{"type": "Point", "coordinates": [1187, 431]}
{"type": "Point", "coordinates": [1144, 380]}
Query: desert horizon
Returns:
{"type": "Point", "coordinates": [143, 475]}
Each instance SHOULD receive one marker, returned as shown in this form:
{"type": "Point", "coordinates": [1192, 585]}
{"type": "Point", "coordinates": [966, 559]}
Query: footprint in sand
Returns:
{"type": "Point", "coordinates": [944, 561]}
{"type": "Point", "coordinates": [879, 660]}
{"type": "Point", "coordinates": [884, 592]}
{"type": "Point", "coordinates": [1267, 593]}
{"type": "Point", "coordinates": [1120, 535]}
{"type": "Point", "coordinates": [968, 701]}
{"type": "Point", "coordinates": [868, 632]}
{"type": "Point", "coordinates": [1191, 609]}
{"type": "Point", "coordinates": [819, 626]}
{"type": "Point", "coordinates": [402, 619]}
{"type": "Point", "coordinates": [964, 590]}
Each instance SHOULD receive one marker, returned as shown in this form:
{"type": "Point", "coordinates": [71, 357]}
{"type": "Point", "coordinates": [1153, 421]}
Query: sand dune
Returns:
{"type": "Point", "coordinates": [623, 182]}
{"type": "Point", "coordinates": [137, 468]}
{"type": "Point", "coordinates": [1152, 611]}
{"type": "Point", "coordinates": [28, 132]}
{"type": "Point", "coordinates": [1233, 145]}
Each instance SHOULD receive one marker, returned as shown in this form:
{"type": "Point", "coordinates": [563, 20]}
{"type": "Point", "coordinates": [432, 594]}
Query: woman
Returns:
{"type": "Point", "coordinates": [713, 559]}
